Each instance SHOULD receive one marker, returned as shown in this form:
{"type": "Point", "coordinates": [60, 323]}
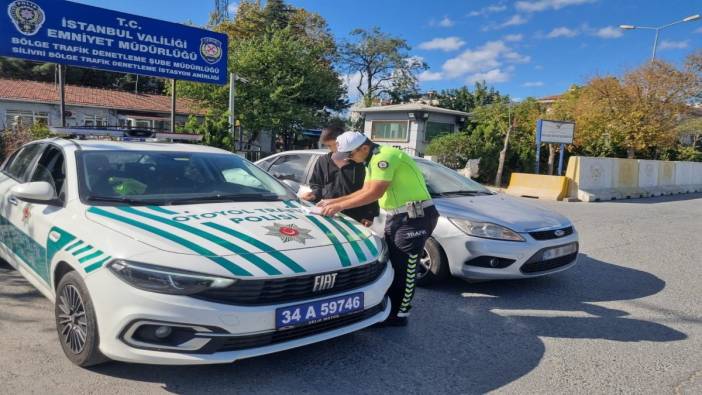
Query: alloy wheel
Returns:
{"type": "Point", "coordinates": [72, 319]}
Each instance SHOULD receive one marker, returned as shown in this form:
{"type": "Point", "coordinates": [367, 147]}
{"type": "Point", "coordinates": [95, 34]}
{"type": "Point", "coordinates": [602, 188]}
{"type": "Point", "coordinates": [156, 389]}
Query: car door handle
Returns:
{"type": "Point", "coordinates": [12, 200]}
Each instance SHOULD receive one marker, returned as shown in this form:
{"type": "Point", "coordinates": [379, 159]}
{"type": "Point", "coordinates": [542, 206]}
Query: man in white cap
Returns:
{"type": "Point", "coordinates": [395, 181]}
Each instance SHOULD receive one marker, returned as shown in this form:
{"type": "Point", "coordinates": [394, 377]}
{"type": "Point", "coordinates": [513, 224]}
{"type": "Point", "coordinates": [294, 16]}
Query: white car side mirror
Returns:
{"type": "Point", "coordinates": [35, 192]}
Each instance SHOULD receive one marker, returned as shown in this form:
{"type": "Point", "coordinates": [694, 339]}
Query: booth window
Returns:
{"type": "Point", "coordinates": [389, 131]}
{"type": "Point", "coordinates": [436, 129]}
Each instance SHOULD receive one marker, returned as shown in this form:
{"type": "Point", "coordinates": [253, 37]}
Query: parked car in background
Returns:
{"type": "Point", "coordinates": [481, 235]}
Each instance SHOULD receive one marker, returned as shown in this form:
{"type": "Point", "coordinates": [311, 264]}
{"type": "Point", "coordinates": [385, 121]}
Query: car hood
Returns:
{"type": "Point", "coordinates": [500, 209]}
{"type": "Point", "coordinates": [274, 230]}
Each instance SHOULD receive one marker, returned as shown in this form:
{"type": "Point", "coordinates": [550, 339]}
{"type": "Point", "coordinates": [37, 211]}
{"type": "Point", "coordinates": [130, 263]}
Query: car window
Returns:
{"type": "Point", "coordinates": [20, 164]}
{"type": "Point", "coordinates": [290, 167]}
{"type": "Point", "coordinates": [266, 163]}
{"type": "Point", "coordinates": [442, 180]}
{"type": "Point", "coordinates": [51, 168]}
{"type": "Point", "coordinates": [172, 177]}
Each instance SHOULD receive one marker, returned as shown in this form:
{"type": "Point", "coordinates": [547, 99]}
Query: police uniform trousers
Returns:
{"type": "Point", "coordinates": [405, 237]}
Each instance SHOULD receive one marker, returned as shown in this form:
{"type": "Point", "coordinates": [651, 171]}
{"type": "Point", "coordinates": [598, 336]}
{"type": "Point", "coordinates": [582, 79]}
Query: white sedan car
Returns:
{"type": "Point", "coordinates": [480, 235]}
{"type": "Point", "coordinates": [181, 254]}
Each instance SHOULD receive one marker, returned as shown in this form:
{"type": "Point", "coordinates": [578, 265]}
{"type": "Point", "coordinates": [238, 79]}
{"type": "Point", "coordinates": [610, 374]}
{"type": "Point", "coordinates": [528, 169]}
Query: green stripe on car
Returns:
{"type": "Point", "coordinates": [354, 244]}
{"type": "Point", "coordinates": [335, 242]}
{"type": "Point", "coordinates": [162, 210]}
{"type": "Point", "coordinates": [90, 256]}
{"type": "Point", "coordinates": [260, 245]}
{"type": "Point", "coordinates": [366, 240]}
{"type": "Point", "coordinates": [96, 265]}
{"type": "Point", "coordinates": [260, 263]}
{"type": "Point", "coordinates": [230, 266]}
{"type": "Point", "coordinates": [82, 250]}
{"type": "Point", "coordinates": [74, 245]}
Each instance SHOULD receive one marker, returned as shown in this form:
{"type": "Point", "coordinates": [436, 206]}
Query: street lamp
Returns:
{"type": "Point", "coordinates": [659, 28]}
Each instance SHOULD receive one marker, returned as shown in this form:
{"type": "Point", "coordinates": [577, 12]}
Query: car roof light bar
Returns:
{"type": "Point", "coordinates": [123, 134]}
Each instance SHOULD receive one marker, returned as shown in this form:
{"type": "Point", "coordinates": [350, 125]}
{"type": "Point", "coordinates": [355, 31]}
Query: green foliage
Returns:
{"type": "Point", "coordinates": [383, 62]}
{"type": "Point", "coordinates": [484, 139]}
{"type": "Point", "coordinates": [215, 131]}
{"type": "Point", "coordinates": [283, 58]}
{"type": "Point", "coordinates": [689, 154]}
{"type": "Point", "coordinates": [462, 99]}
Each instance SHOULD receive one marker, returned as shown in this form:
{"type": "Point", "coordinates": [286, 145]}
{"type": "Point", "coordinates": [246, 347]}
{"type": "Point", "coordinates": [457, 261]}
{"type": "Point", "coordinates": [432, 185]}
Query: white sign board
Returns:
{"type": "Point", "coordinates": [557, 132]}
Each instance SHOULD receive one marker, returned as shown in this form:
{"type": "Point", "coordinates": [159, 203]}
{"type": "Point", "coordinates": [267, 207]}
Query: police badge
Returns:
{"type": "Point", "coordinates": [211, 49]}
{"type": "Point", "coordinates": [26, 16]}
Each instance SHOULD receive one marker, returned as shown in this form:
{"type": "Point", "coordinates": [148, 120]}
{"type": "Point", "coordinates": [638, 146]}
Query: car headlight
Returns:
{"type": "Point", "coordinates": [165, 280]}
{"type": "Point", "coordinates": [485, 230]}
{"type": "Point", "coordinates": [384, 252]}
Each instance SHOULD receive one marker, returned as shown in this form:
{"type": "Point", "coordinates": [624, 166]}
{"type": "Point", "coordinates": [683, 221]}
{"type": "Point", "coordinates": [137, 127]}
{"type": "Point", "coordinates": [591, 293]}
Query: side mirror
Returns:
{"type": "Point", "coordinates": [35, 192]}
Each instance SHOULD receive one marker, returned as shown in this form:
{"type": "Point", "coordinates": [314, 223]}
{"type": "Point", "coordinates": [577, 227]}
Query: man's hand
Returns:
{"type": "Point", "coordinates": [367, 222]}
{"type": "Point", "coordinates": [331, 209]}
{"type": "Point", "coordinates": [309, 196]}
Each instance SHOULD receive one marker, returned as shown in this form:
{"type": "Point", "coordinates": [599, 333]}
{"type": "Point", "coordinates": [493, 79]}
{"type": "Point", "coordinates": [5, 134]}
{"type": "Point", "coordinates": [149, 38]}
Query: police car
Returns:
{"type": "Point", "coordinates": [169, 253]}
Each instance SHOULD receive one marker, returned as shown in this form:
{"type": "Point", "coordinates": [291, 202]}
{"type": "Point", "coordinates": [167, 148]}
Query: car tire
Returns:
{"type": "Point", "coordinates": [76, 323]}
{"type": "Point", "coordinates": [433, 266]}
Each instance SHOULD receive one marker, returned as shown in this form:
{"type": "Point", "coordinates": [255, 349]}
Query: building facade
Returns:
{"type": "Point", "coordinates": [30, 102]}
{"type": "Point", "coordinates": [410, 126]}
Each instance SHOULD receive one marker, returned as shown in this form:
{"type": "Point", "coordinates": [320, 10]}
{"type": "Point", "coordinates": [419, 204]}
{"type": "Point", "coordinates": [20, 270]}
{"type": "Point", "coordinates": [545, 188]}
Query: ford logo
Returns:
{"type": "Point", "coordinates": [559, 233]}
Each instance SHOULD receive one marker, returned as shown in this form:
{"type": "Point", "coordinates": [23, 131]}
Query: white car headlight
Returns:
{"type": "Point", "coordinates": [165, 280]}
{"type": "Point", "coordinates": [485, 230]}
{"type": "Point", "coordinates": [383, 253]}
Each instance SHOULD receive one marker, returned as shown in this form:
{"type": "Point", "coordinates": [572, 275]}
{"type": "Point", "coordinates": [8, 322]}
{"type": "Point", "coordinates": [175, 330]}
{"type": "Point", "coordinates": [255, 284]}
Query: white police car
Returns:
{"type": "Point", "coordinates": [181, 254]}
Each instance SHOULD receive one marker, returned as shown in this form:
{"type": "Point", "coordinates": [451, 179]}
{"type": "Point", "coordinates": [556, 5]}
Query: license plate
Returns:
{"type": "Point", "coordinates": [558, 252]}
{"type": "Point", "coordinates": [321, 310]}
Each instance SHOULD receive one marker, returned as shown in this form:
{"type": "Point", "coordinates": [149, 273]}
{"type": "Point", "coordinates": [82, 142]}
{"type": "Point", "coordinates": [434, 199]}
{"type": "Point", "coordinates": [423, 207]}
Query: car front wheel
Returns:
{"type": "Point", "coordinates": [433, 264]}
{"type": "Point", "coordinates": [76, 323]}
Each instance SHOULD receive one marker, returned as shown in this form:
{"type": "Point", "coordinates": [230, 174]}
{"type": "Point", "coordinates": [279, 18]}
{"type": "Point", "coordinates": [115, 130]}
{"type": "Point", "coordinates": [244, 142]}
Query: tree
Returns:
{"type": "Point", "coordinates": [284, 58]}
{"type": "Point", "coordinates": [382, 63]}
{"type": "Point", "coordinates": [485, 139]}
{"type": "Point", "coordinates": [638, 112]}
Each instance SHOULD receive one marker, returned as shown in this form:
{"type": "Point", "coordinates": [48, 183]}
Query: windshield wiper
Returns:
{"type": "Point", "coordinates": [126, 200]}
{"type": "Point", "coordinates": [463, 193]}
{"type": "Point", "coordinates": [249, 197]}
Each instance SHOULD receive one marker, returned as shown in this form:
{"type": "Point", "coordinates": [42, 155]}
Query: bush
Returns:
{"type": "Point", "coordinates": [12, 139]}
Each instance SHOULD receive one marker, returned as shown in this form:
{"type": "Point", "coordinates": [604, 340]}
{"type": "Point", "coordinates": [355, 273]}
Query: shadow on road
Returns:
{"type": "Point", "coordinates": [467, 338]}
{"type": "Point", "coordinates": [14, 290]}
{"type": "Point", "coordinates": [658, 199]}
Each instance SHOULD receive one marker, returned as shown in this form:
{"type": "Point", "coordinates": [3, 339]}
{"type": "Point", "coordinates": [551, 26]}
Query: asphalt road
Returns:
{"type": "Point", "coordinates": [626, 319]}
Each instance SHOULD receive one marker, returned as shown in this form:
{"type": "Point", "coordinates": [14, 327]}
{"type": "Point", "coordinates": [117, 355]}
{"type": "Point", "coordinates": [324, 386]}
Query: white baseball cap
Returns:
{"type": "Point", "coordinates": [347, 142]}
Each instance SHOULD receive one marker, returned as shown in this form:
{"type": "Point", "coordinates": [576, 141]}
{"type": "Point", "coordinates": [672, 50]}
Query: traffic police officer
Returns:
{"type": "Point", "coordinates": [395, 181]}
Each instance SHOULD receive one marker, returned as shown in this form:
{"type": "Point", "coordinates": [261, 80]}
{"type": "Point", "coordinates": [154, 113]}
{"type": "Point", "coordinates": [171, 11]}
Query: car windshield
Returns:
{"type": "Point", "coordinates": [442, 181]}
{"type": "Point", "coordinates": [159, 177]}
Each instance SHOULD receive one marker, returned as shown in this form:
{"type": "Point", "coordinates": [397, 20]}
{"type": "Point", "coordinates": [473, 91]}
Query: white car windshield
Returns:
{"type": "Point", "coordinates": [442, 181]}
{"type": "Point", "coordinates": [159, 177]}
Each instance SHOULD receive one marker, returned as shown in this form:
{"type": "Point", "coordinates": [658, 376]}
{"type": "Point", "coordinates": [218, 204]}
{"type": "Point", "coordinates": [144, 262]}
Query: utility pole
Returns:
{"type": "Point", "coordinates": [503, 153]}
{"type": "Point", "coordinates": [658, 29]}
{"type": "Point", "coordinates": [232, 116]}
{"type": "Point", "coordinates": [62, 95]}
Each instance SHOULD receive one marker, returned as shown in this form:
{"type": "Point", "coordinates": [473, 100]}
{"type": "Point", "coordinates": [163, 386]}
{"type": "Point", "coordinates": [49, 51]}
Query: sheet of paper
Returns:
{"type": "Point", "coordinates": [315, 210]}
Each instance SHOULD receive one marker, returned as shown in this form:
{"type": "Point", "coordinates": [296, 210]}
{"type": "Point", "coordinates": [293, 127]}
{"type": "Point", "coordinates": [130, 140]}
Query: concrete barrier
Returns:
{"type": "Point", "coordinates": [537, 186]}
{"type": "Point", "coordinates": [592, 179]}
{"type": "Point", "coordinates": [626, 179]}
{"type": "Point", "coordinates": [595, 179]}
{"type": "Point", "coordinates": [648, 177]}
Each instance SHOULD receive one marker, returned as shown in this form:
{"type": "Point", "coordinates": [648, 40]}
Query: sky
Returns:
{"type": "Point", "coordinates": [523, 48]}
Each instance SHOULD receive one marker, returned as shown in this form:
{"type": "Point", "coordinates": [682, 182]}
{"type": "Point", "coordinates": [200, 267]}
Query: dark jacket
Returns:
{"type": "Point", "coordinates": [328, 182]}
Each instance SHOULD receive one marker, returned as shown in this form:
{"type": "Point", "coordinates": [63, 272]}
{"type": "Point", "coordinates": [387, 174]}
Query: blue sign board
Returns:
{"type": "Point", "coordinates": [75, 34]}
